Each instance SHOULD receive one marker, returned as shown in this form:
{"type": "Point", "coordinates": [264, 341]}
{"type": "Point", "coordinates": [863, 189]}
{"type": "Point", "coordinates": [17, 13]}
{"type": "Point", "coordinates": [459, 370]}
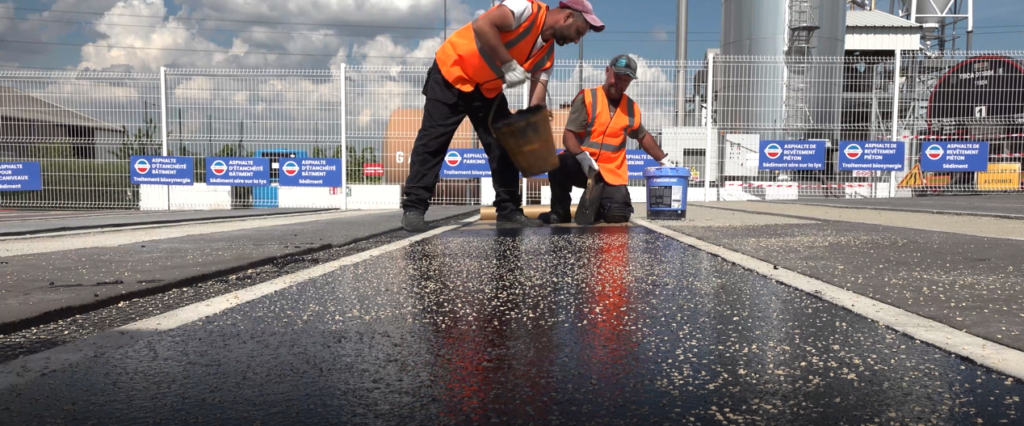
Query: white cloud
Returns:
{"type": "Point", "coordinates": [147, 49]}
{"type": "Point", "coordinates": [256, 29]}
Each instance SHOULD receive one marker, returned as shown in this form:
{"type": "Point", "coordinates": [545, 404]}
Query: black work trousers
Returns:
{"type": "Point", "coordinates": [616, 206]}
{"type": "Point", "coordinates": [445, 109]}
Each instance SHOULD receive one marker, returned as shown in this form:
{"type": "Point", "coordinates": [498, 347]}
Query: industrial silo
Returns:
{"type": "Point", "coordinates": [790, 91]}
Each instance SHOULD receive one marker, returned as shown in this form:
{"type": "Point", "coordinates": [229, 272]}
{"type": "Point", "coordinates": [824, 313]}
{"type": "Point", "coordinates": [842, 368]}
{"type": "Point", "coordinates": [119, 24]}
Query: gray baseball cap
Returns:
{"type": "Point", "coordinates": [623, 64]}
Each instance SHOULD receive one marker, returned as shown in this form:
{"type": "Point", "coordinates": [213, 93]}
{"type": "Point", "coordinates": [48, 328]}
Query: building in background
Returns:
{"type": "Point", "coordinates": [28, 122]}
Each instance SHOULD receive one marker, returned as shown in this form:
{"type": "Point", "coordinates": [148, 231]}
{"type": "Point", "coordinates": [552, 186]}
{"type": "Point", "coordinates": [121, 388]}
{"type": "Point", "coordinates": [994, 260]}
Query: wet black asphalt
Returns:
{"type": "Point", "coordinates": [1009, 206]}
{"type": "Point", "coordinates": [610, 325]}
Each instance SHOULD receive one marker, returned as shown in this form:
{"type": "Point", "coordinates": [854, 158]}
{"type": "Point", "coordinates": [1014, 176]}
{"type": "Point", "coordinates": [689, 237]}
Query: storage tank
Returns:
{"type": "Point", "coordinates": [927, 7]}
{"type": "Point", "coordinates": [754, 93]}
{"type": "Point", "coordinates": [978, 96]}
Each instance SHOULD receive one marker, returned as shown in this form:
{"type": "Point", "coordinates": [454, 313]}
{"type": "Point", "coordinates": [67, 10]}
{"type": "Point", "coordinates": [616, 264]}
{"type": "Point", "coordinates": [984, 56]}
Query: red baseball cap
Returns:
{"type": "Point", "coordinates": [584, 7]}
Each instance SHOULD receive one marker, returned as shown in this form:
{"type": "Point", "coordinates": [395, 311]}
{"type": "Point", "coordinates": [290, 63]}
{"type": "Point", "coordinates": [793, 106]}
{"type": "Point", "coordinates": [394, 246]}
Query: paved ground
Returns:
{"type": "Point", "coordinates": [969, 282]}
{"type": "Point", "coordinates": [1006, 205]}
{"type": "Point", "coordinates": [991, 227]}
{"type": "Point", "coordinates": [27, 222]}
{"type": "Point", "coordinates": [605, 325]}
{"type": "Point", "coordinates": [39, 276]}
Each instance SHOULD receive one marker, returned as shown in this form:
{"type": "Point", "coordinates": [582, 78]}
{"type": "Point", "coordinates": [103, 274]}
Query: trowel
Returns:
{"type": "Point", "coordinates": [590, 202]}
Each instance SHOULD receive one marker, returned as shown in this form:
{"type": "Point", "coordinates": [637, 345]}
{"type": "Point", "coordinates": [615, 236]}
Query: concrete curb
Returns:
{"type": "Point", "coordinates": [1000, 358]}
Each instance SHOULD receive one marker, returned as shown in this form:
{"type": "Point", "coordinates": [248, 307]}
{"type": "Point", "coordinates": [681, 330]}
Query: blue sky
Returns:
{"type": "Point", "coordinates": [642, 27]}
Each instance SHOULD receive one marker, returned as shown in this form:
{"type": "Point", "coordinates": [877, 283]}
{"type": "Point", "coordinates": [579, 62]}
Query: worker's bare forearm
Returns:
{"type": "Point", "coordinates": [571, 143]}
{"type": "Point", "coordinates": [538, 90]}
{"type": "Point", "coordinates": [650, 146]}
{"type": "Point", "coordinates": [488, 28]}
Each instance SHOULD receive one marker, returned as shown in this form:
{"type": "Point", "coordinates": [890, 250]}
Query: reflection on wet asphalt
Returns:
{"type": "Point", "coordinates": [546, 326]}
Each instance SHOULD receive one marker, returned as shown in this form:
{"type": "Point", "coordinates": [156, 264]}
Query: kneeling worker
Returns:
{"type": "Point", "coordinates": [599, 123]}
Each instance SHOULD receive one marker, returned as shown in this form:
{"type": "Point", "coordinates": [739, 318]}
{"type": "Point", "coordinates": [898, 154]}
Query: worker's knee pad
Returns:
{"type": "Point", "coordinates": [617, 213]}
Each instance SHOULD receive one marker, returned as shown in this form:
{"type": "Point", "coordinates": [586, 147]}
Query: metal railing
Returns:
{"type": "Point", "coordinates": [82, 128]}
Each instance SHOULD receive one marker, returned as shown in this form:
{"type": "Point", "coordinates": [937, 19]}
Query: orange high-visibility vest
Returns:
{"type": "Point", "coordinates": [466, 66]}
{"type": "Point", "coordinates": [605, 137]}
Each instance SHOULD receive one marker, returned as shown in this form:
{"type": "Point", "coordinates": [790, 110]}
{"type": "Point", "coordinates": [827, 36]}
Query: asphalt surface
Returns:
{"type": "Point", "coordinates": [30, 222]}
{"type": "Point", "coordinates": [37, 288]}
{"type": "Point", "coordinates": [605, 325]}
{"type": "Point", "coordinates": [1004, 205]}
{"type": "Point", "coordinates": [967, 282]}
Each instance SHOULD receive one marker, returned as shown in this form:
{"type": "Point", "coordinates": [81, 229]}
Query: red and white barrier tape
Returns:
{"type": "Point", "coordinates": [976, 137]}
{"type": "Point", "coordinates": [793, 185]}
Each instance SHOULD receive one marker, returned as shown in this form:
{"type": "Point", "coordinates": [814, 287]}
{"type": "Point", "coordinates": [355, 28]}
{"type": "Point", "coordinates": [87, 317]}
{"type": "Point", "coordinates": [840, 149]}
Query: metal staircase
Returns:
{"type": "Point", "coordinates": [803, 23]}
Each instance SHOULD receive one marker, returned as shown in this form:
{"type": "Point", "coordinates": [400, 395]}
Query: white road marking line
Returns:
{"type": "Point", "coordinates": [24, 369]}
{"type": "Point", "coordinates": [115, 239]}
{"type": "Point", "coordinates": [472, 219]}
{"type": "Point", "coordinates": [101, 229]}
{"type": "Point", "coordinates": [1000, 358]}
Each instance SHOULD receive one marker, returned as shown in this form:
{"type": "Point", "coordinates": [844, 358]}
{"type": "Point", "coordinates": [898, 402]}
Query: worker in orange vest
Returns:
{"type": "Point", "coordinates": [600, 121]}
{"type": "Point", "coordinates": [503, 47]}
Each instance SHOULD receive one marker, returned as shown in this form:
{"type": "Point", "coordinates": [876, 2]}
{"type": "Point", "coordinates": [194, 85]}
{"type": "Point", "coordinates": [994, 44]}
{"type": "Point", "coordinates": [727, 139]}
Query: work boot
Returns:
{"type": "Point", "coordinates": [413, 221]}
{"type": "Point", "coordinates": [552, 218]}
{"type": "Point", "coordinates": [519, 219]}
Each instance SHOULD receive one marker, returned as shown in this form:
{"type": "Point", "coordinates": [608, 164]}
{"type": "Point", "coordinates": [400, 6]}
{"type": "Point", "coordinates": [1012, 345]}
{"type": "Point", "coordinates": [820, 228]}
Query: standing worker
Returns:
{"type": "Point", "coordinates": [508, 44]}
{"type": "Point", "coordinates": [596, 131]}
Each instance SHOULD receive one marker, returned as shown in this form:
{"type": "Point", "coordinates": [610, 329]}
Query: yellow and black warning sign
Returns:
{"type": "Point", "coordinates": [912, 179]}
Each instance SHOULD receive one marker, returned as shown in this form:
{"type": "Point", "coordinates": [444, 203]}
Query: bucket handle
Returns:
{"type": "Point", "coordinates": [490, 117]}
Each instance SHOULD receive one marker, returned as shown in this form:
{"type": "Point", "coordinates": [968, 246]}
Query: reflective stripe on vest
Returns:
{"type": "Point", "coordinates": [467, 66]}
{"type": "Point", "coordinates": [606, 135]}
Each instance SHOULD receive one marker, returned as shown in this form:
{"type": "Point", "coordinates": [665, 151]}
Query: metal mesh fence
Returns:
{"type": "Point", "coordinates": [960, 103]}
{"type": "Point", "coordinates": [80, 127]}
{"type": "Point", "coordinates": [247, 113]}
{"type": "Point", "coordinates": [83, 127]}
{"type": "Point", "coordinates": [795, 102]}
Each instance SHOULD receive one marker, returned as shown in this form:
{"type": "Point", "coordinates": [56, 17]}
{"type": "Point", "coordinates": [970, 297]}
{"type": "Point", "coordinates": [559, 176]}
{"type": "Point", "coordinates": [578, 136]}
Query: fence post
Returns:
{"type": "Point", "coordinates": [896, 116]}
{"type": "Point", "coordinates": [163, 110]}
{"type": "Point", "coordinates": [163, 122]}
{"type": "Point", "coordinates": [526, 104]}
{"type": "Point", "coordinates": [712, 138]}
{"type": "Point", "coordinates": [344, 142]}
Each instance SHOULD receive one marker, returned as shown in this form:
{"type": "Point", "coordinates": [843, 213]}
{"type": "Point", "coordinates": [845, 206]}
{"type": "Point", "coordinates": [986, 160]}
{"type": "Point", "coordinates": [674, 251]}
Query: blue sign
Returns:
{"type": "Point", "coordinates": [636, 161]}
{"type": "Point", "coordinates": [156, 170]}
{"type": "Point", "coordinates": [954, 157]}
{"type": "Point", "coordinates": [465, 164]}
{"type": "Point", "coordinates": [26, 176]}
{"type": "Point", "coordinates": [237, 171]}
{"type": "Point", "coordinates": [310, 172]}
{"type": "Point", "coordinates": [473, 163]}
{"type": "Point", "coordinates": [872, 155]}
{"type": "Point", "coordinates": [792, 155]}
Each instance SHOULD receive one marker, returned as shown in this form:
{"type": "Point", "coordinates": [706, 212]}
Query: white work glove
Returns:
{"type": "Point", "coordinates": [665, 162]}
{"type": "Point", "coordinates": [589, 165]}
{"type": "Point", "coordinates": [515, 75]}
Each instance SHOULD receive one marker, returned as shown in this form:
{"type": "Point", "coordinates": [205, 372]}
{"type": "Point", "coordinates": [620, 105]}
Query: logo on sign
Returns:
{"type": "Point", "coordinates": [142, 166]}
{"type": "Point", "coordinates": [290, 168]}
{"type": "Point", "coordinates": [453, 158]}
{"type": "Point", "coordinates": [218, 167]}
{"type": "Point", "coordinates": [773, 151]}
{"type": "Point", "coordinates": [853, 151]}
{"type": "Point", "coordinates": [934, 152]}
